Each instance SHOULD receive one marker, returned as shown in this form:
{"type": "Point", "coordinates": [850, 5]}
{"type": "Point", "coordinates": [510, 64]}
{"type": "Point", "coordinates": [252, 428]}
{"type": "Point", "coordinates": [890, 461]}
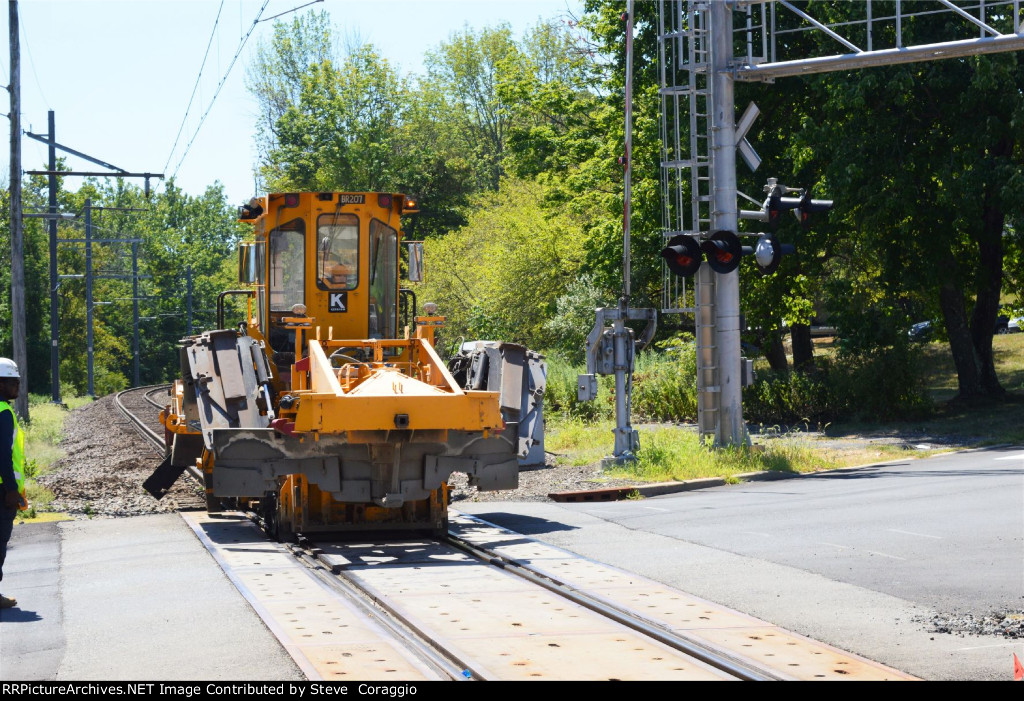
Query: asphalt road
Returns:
{"type": "Point", "coordinates": [859, 558]}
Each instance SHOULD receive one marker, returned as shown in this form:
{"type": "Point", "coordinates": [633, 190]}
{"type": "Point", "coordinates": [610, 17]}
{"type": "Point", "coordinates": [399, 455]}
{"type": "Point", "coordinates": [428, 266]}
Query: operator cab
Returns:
{"type": "Point", "coordinates": [331, 264]}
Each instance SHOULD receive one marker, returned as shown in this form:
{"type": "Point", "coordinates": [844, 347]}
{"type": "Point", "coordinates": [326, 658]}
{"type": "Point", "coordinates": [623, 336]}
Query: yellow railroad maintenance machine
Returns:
{"type": "Point", "coordinates": [326, 411]}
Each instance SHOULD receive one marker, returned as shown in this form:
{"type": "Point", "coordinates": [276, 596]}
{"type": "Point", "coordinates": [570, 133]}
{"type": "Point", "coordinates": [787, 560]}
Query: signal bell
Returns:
{"type": "Point", "coordinates": [768, 253]}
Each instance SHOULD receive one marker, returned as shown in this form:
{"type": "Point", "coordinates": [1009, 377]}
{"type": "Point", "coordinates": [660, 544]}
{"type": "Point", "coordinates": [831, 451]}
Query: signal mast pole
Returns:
{"type": "Point", "coordinates": [611, 350]}
{"type": "Point", "coordinates": [731, 429]}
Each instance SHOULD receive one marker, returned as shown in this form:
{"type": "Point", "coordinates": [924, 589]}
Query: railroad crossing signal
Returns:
{"type": "Point", "coordinates": [682, 255]}
{"type": "Point", "coordinates": [776, 204]}
{"type": "Point", "coordinates": [722, 250]}
{"type": "Point", "coordinates": [807, 207]}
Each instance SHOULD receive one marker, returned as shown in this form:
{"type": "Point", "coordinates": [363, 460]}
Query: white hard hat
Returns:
{"type": "Point", "coordinates": [8, 368]}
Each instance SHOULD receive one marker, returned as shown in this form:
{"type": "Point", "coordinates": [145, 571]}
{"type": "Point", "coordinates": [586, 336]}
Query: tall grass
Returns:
{"type": "Point", "coordinates": [42, 444]}
{"type": "Point", "coordinates": [676, 453]}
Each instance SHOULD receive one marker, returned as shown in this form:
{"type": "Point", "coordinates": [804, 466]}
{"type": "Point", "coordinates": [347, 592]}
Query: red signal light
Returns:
{"type": "Point", "coordinates": [291, 199]}
{"type": "Point", "coordinates": [723, 250]}
{"type": "Point", "coordinates": [384, 201]}
{"type": "Point", "coordinates": [682, 255]}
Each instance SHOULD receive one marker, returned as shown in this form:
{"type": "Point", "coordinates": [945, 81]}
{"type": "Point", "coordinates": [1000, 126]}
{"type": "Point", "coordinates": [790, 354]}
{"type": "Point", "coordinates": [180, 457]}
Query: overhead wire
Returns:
{"type": "Point", "coordinates": [220, 85]}
{"type": "Point", "coordinates": [195, 88]}
{"type": "Point", "coordinates": [31, 61]}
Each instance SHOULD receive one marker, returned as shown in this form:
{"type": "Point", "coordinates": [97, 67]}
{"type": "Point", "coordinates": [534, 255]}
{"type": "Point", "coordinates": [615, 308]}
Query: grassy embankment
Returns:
{"type": "Point", "coordinates": [673, 453]}
{"type": "Point", "coordinates": [42, 450]}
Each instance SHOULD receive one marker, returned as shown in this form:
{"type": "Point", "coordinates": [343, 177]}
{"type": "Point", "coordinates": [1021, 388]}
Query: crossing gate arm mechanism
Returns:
{"type": "Point", "coordinates": [601, 345]}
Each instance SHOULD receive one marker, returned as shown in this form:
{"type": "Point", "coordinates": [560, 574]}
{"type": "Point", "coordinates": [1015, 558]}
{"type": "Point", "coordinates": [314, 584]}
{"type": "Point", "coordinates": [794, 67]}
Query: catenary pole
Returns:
{"type": "Point", "coordinates": [51, 224]}
{"type": "Point", "coordinates": [135, 312]}
{"type": "Point", "coordinates": [88, 295]}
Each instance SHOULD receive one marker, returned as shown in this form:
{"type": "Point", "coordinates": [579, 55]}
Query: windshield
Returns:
{"type": "Point", "coordinates": [338, 254]}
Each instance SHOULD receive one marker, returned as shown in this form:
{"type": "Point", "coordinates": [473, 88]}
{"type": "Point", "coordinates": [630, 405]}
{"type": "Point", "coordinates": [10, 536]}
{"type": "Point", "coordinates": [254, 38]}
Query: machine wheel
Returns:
{"type": "Point", "coordinates": [268, 513]}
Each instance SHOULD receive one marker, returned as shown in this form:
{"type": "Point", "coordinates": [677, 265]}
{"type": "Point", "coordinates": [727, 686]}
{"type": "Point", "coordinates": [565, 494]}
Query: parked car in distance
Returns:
{"type": "Point", "coordinates": [921, 331]}
{"type": "Point", "coordinates": [925, 330]}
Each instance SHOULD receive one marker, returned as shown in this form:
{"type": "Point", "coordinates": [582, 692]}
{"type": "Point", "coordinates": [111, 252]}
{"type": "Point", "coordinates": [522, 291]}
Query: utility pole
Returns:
{"type": "Point", "coordinates": [18, 328]}
{"type": "Point", "coordinates": [188, 326]}
{"type": "Point", "coordinates": [51, 224]}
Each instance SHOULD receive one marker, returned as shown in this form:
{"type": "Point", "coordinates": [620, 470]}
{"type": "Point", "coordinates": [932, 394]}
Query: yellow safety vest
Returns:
{"type": "Point", "coordinates": [17, 455]}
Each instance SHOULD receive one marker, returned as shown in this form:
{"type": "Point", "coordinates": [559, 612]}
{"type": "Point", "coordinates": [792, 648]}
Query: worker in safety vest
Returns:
{"type": "Point", "coordinates": [12, 462]}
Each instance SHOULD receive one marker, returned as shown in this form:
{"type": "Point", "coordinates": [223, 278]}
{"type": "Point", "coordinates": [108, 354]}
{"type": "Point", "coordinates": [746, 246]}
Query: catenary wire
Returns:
{"type": "Point", "coordinates": [220, 85]}
{"type": "Point", "coordinates": [195, 88]}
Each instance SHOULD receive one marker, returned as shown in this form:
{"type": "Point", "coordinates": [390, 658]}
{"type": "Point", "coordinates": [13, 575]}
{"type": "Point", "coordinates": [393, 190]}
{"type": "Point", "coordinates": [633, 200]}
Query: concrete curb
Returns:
{"type": "Point", "coordinates": [659, 488]}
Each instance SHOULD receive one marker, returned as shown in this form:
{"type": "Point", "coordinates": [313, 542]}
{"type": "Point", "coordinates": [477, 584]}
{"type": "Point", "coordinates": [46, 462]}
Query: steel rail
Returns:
{"type": "Point", "coordinates": [145, 431]}
{"type": "Point", "coordinates": [149, 434]}
{"type": "Point", "coordinates": [741, 669]}
{"type": "Point", "coordinates": [442, 661]}
{"type": "Point", "coordinates": [309, 554]}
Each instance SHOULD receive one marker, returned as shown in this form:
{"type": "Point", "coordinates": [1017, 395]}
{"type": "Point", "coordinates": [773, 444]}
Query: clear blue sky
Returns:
{"type": "Point", "coordinates": [119, 74]}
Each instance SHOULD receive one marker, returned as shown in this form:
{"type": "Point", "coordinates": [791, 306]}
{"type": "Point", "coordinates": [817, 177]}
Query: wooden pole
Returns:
{"type": "Point", "coordinates": [18, 329]}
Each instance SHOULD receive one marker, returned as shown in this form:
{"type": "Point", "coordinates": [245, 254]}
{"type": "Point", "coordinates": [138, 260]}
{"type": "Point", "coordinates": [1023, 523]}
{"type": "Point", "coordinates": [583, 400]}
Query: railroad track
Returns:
{"type": "Point", "coordinates": [486, 604]}
{"type": "Point", "coordinates": [489, 604]}
{"type": "Point", "coordinates": [140, 406]}
{"type": "Point", "coordinates": [615, 636]}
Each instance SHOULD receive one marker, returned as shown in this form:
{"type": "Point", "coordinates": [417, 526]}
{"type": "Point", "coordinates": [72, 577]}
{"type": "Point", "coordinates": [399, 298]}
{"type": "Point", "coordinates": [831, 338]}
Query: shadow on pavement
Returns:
{"type": "Point", "coordinates": [17, 615]}
{"type": "Point", "coordinates": [526, 525]}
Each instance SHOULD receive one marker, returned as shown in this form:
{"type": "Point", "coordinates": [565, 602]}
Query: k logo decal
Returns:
{"type": "Point", "coordinates": [338, 302]}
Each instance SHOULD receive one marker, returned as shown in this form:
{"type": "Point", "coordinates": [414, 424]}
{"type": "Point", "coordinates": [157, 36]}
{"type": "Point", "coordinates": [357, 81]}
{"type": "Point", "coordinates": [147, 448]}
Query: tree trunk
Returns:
{"type": "Point", "coordinates": [988, 288]}
{"type": "Point", "coordinates": [803, 347]}
{"type": "Point", "coordinates": [951, 301]}
{"type": "Point", "coordinates": [774, 351]}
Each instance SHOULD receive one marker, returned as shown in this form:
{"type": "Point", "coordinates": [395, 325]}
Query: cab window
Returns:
{"type": "Point", "coordinates": [383, 280]}
{"type": "Point", "coordinates": [338, 251]}
{"type": "Point", "coordinates": [259, 250]}
{"type": "Point", "coordinates": [287, 266]}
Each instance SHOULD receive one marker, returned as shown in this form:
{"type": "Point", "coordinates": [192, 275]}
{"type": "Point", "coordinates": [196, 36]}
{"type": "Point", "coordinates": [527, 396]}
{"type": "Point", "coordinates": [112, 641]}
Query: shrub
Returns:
{"type": "Point", "coordinates": [882, 385]}
{"type": "Point", "coordinates": [560, 396]}
{"type": "Point", "coordinates": [885, 384]}
{"type": "Point", "coordinates": [665, 381]}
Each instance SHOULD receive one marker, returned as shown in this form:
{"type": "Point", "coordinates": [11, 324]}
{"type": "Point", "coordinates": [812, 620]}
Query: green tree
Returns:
{"type": "Point", "coordinates": [927, 160]}
{"type": "Point", "coordinates": [275, 76]}
{"type": "Point", "coordinates": [500, 276]}
{"type": "Point", "coordinates": [464, 74]}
